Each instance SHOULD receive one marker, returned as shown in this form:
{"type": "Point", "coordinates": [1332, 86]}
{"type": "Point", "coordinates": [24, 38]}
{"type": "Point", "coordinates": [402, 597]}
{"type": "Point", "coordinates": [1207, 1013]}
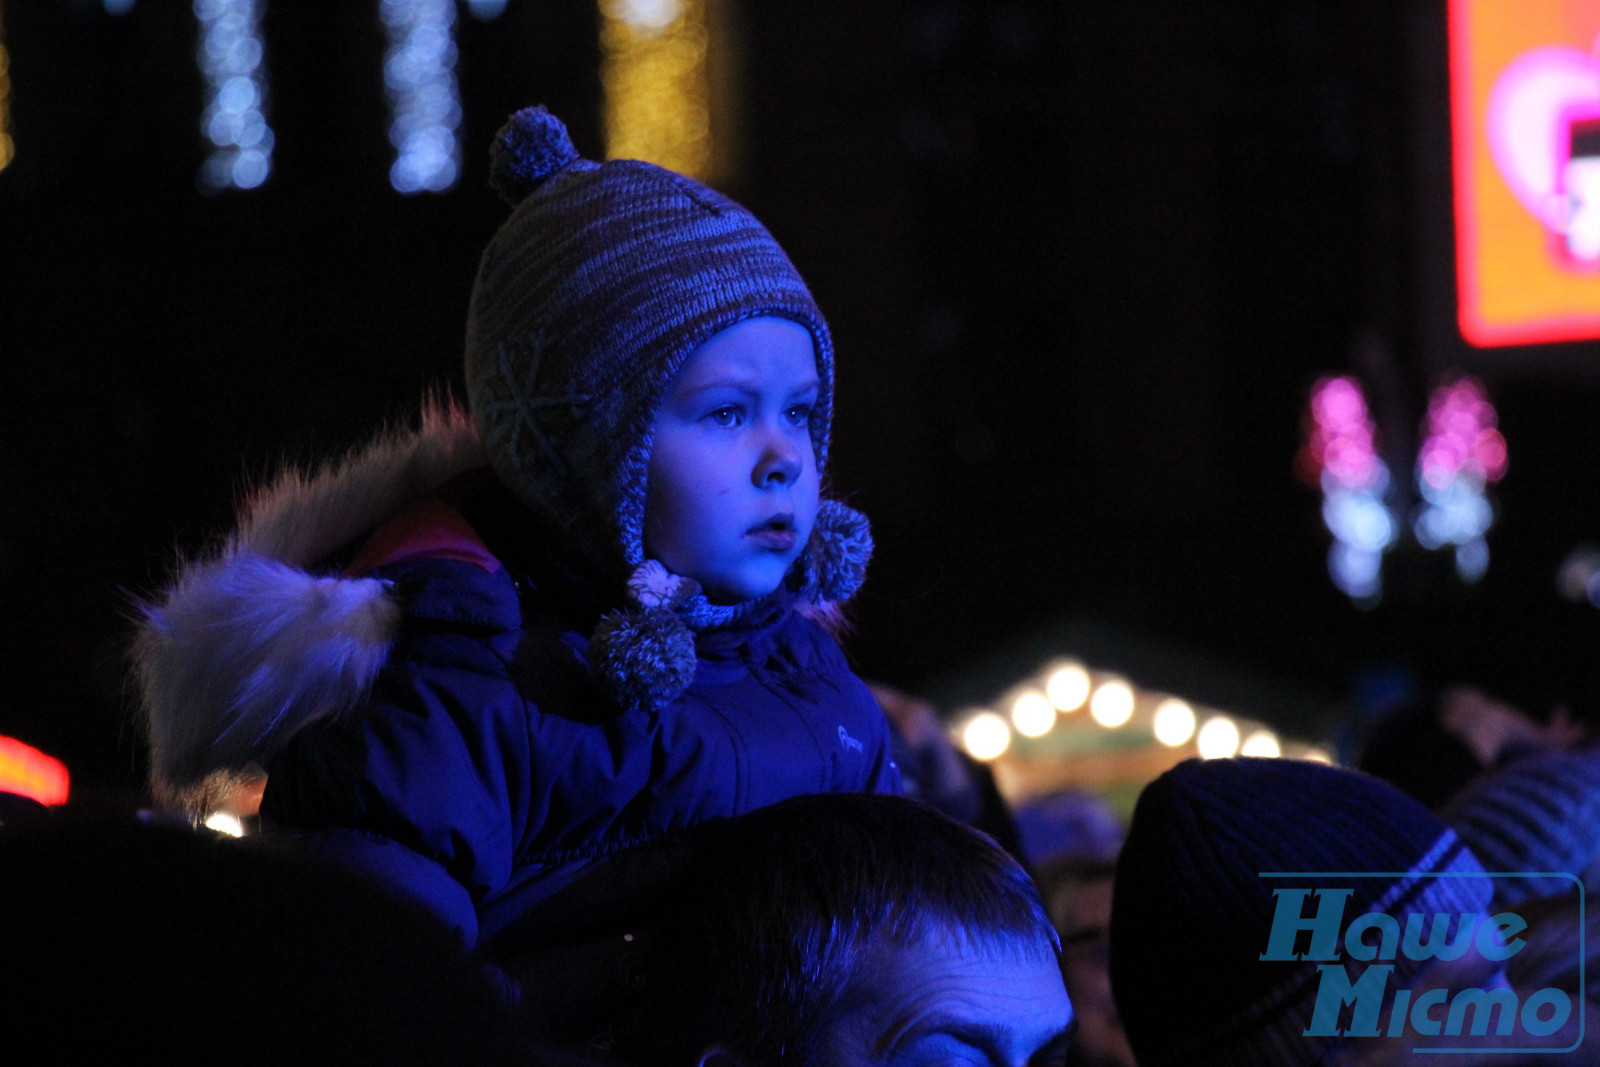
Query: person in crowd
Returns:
{"type": "Point", "coordinates": [1437, 744]}
{"type": "Point", "coordinates": [144, 942]}
{"type": "Point", "coordinates": [476, 659]}
{"type": "Point", "coordinates": [1070, 840]}
{"type": "Point", "coordinates": [938, 773]}
{"type": "Point", "coordinates": [849, 931]}
{"type": "Point", "coordinates": [1218, 909]}
{"type": "Point", "coordinates": [1534, 823]}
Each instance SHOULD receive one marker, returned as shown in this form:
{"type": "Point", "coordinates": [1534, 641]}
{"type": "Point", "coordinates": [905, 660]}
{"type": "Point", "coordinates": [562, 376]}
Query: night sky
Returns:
{"type": "Point", "coordinates": [1082, 260]}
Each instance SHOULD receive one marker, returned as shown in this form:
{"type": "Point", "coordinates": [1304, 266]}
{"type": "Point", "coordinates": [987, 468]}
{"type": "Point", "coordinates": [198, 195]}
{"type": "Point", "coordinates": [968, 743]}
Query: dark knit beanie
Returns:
{"type": "Point", "coordinates": [588, 300]}
{"type": "Point", "coordinates": [1191, 913]}
{"type": "Point", "coordinates": [1539, 814]}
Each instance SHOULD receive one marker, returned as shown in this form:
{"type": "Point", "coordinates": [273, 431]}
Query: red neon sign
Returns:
{"type": "Point", "coordinates": [26, 771]}
{"type": "Point", "coordinates": [1525, 119]}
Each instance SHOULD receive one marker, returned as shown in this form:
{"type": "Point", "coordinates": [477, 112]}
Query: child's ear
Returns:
{"type": "Point", "coordinates": [717, 1056]}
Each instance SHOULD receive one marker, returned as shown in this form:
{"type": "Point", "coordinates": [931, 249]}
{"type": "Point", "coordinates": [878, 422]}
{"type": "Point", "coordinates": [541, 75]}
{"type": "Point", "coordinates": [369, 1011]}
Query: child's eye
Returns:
{"type": "Point", "coordinates": [799, 415]}
{"type": "Point", "coordinates": [724, 416]}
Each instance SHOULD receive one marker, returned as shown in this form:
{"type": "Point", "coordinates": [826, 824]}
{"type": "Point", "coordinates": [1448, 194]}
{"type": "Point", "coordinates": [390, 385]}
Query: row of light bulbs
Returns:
{"type": "Point", "coordinates": [1069, 688]}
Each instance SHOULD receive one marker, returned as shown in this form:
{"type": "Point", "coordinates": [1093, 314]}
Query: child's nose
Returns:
{"type": "Point", "coordinates": [780, 464]}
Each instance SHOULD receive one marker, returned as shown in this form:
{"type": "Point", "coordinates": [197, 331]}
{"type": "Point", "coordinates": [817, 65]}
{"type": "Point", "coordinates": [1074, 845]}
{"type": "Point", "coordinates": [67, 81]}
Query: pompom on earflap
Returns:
{"type": "Point", "coordinates": [531, 146]}
{"type": "Point", "coordinates": [841, 545]}
{"type": "Point", "coordinates": [645, 656]}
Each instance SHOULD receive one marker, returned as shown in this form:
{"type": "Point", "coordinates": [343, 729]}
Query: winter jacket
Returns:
{"type": "Point", "coordinates": [426, 712]}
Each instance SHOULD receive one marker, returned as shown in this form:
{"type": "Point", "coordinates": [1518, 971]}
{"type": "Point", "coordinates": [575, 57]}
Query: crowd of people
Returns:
{"type": "Point", "coordinates": [558, 759]}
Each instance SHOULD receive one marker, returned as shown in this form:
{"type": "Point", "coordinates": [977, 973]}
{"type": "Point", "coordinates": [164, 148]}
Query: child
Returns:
{"type": "Point", "coordinates": [475, 660]}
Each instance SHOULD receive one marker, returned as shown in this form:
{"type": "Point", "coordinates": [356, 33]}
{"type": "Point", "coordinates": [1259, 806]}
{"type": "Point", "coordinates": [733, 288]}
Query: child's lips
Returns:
{"type": "Point", "coordinates": [776, 533]}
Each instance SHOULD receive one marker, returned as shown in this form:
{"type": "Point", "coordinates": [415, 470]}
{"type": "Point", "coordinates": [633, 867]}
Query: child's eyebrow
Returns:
{"type": "Point", "coordinates": [751, 387]}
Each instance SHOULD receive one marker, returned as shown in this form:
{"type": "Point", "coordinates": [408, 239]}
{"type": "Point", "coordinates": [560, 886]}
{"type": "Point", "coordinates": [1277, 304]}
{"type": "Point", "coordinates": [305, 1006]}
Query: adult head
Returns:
{"type": "Point", "coordinates": [853, 930]}
{"type": "Point", "coordinates": [1224, 855]}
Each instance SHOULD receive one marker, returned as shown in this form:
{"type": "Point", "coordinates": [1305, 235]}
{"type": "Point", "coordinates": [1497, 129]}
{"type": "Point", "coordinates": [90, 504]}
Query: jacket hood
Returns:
{"type": "Point", "coordinates": [247, 645]}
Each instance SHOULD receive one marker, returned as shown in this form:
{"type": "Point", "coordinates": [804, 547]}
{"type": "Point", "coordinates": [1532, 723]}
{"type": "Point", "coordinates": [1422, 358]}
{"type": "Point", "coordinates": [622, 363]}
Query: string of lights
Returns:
{"type": "Point", "coordinates": [657, 87]}
{"type": "Point", "coordinates": [419, 75]}
{"type": "Point", "coordinates": [1063, 690]}
{"type": "Point", "coordinates": [1341, 457]}
{"type": "Point", "coordinates": [232, 58]}
{"type": "Point", "coordinates": [1461, 456]}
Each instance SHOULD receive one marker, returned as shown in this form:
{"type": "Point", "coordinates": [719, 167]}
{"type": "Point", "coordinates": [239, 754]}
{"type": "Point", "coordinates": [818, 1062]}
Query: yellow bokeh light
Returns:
{"type": "Point", "coordinates": [985, 736]}
{"type": "Point", "coordinates": [1261, 743]}
{"type": "Point", "coordinates": [1032, 714]}
{"type": "Point", "coordinates": [225, 822]}
{"type": "Point", "coordinates": [1112, 704]}
{"type": "Point", "coordinates": [654, 71]}
{"type": "Point", "coordinates": [1218, 738]}
{"type": "Point", "coordinates": [1068, 687]}
{"type": "Point", "coordinates": [1174, 723]}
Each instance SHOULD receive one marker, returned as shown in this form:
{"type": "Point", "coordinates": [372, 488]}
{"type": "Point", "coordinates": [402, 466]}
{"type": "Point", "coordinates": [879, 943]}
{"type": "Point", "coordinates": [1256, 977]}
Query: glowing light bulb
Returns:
{"type": "Point", "coordinates": [1032, 714]}
{"type": "Point", "coordinates": [225, 823]}
{"type": "Point", "coordinates": [1261, 743]}
{"type": "Point", "coordinates": [1174, 723]}
{"type": "Point", "coordinates": [1068, 687]}
{"type": "Point", "coordinates": [1218, 738]}
{"type": "Point", "coordinates": [985, 736]}
{"type": "Point", "coordinates": [1112, 704]}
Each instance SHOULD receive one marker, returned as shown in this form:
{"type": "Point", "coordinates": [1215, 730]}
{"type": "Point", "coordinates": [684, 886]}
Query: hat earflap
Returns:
{"type": "Point", "coordinates": [644, 656]}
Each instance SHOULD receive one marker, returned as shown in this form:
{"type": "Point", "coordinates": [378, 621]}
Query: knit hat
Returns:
{"type": "Point", "coordinates": [1192, 913]}
{"type": "Point", "coordinates": [588, 300]}
{"type": "Point", "coordinates": [1539, 814]}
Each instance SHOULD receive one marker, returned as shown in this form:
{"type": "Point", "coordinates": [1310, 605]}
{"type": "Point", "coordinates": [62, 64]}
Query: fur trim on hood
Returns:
{"type": "Point", "coordinates": [208, 655]}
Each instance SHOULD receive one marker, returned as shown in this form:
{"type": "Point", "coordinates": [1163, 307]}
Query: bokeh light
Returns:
{"type": "Point", "coordinates": [1068, 687]}
{"type": "Point", "coordinates": [1032, 714]}
{"type": "Point", "coordinates": [1340, 456]}
{"type": "Point", "coordinates": [1174, 723]}
{"type": "Point", "coordinates": [657, 84]}
{"type": "Point", "coordinates": [1462, 454]}
{"type": "Point", "coordinates": [224, 822]}
{"type": "Point", "coordinates": [1261, 743]}
{"type": "Point", "coordinates": [1218, 738]}
{"type": "Point", "coordinates": [1112, 704]}
{"type": "Point", "coordinates": [985, 736]}
{"type": "Point", "coordinates": [419, 73]}
{"type": "Point", "coordinates": [232, 58]}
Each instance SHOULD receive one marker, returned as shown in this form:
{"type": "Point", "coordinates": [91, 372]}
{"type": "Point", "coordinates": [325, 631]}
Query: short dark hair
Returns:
{"type": "Point", "coordinates": [783, 912]}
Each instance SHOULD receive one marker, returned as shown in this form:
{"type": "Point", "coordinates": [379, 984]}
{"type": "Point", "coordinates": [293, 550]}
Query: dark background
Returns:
{"type": "Point", "coordinates": [1083, 260]}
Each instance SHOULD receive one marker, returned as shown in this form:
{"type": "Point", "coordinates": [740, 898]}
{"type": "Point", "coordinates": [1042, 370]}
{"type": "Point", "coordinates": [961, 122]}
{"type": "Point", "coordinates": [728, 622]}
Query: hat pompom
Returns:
{"type": "Point", "coordinates": [642, 658]}
{"type": "Point", "coordinates": [531, 146]}
{"type": "Point", "coordinates": [841, 545]}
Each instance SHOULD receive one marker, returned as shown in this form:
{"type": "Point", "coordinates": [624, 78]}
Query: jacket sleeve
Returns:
{"type": "Point", "coordinates": [416, 785]}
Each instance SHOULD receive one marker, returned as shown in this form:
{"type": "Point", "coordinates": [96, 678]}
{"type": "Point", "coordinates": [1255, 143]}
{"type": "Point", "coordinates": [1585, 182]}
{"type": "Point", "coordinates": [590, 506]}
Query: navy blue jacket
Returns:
{"type": "Point", "coordinates": [487, 771]}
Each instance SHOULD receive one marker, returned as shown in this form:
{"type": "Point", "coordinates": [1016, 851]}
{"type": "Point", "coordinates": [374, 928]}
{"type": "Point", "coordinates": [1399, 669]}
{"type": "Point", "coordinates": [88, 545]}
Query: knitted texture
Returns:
{"type": "Point", "coordinates": [587, 302]}
{"type": "Point", "coordinates": [1540, 814]}
{"type": "Point", "coordinates": [1191, 914]}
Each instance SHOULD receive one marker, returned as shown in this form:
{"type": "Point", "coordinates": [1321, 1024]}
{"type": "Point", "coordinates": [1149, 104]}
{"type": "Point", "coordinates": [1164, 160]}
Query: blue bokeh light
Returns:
{"type": "Point", "coordinates": [231, 58]}
{"type": "Point", "coordinates": [424, 102]}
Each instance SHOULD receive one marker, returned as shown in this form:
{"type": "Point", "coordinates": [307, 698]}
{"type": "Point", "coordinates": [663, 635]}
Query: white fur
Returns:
{"type": "Point", "coordinates": [246, 647]}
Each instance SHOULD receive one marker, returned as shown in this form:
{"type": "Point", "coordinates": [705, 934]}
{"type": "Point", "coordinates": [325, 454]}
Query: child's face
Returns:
{"type": "Point", "coordinates": [733, 482]}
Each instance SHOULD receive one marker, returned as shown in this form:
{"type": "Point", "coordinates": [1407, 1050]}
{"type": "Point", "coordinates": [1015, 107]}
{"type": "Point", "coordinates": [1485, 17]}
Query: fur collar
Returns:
{"type": "Point", "coordinates": [247, 646]}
